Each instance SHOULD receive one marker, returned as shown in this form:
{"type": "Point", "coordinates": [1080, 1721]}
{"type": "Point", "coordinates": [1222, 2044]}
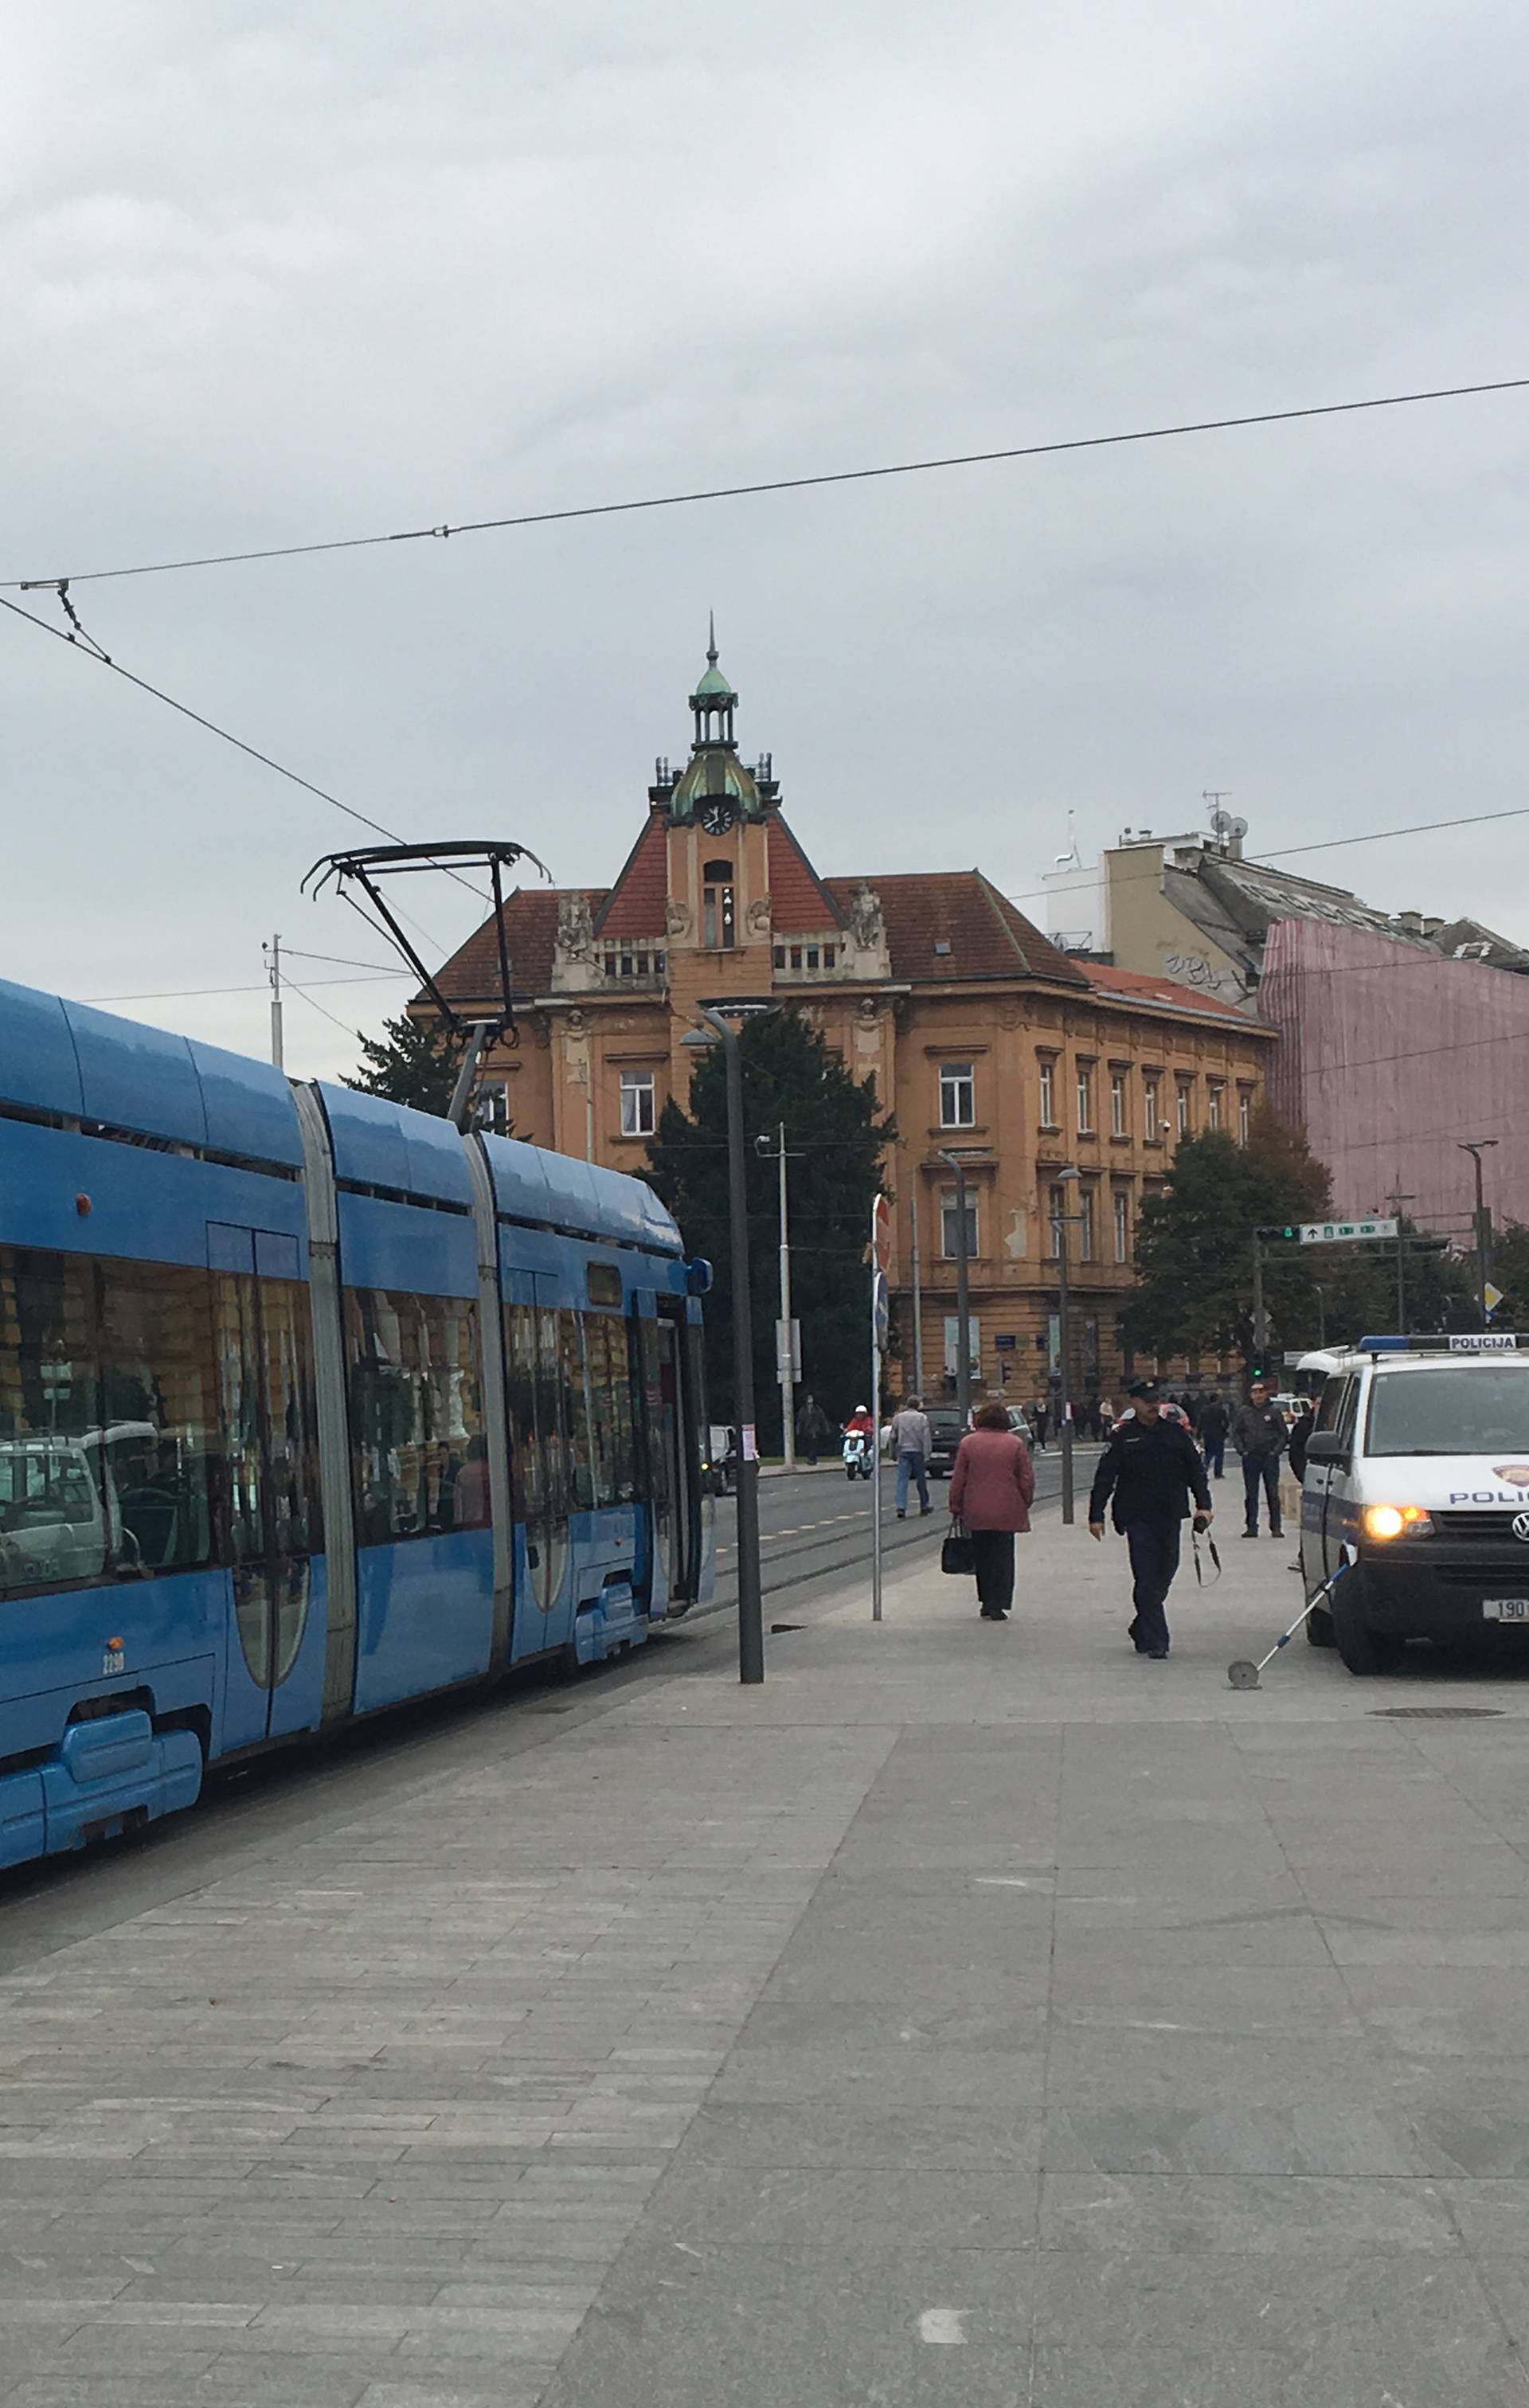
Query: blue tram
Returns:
{"type": "Point", "coordinates": [309, 1404]}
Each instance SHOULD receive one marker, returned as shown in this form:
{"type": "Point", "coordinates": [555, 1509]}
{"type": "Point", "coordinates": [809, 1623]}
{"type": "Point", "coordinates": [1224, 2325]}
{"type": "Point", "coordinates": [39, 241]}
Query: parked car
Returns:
{"type": "Point", "coordinates": [945, 1430]}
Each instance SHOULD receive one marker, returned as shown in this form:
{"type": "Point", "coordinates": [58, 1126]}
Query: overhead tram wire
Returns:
{"type": "Point", "coordinates": [784, 485]}
{"type": "Point", "coordinates": [170, 993]}
{"type": "Point", "coordinates": [90, 651]}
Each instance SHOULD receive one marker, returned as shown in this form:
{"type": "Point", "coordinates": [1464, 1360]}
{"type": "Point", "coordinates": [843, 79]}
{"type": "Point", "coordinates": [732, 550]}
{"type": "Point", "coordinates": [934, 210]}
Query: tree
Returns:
{"type": "Point", "coordinates": [1194, 1256]}
{"type": "Point", "coordinates": [1195, 1247]}
{"type": "Point", "coordinates": [835, 1138]}
{"type": "Point", "coordinates": [413, 1062]}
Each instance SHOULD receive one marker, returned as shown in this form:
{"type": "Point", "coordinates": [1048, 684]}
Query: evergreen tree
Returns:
{"type": "Point", "coordinates": [1510, 1273]}
{"type": "Point", "coordinates": [413, 1062]}
{"type": "Point", "coordinates": [1194, 1256]}
{"type": "Point", "coordinates": [836, 1139]}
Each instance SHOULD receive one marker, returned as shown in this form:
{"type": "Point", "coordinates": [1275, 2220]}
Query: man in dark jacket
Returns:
{"type": "Point", "coordinates": [1260, 1437]}
{"type": "Point", "coordinates": [1300, 1430]}
{"type": "Point", "coordinates": [1215, 1421]}
{"type": "Point", "coordinates": [1151, 1466]}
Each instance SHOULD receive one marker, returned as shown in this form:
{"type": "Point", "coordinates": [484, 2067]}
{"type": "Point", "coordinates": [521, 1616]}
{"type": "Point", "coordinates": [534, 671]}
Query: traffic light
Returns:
{"type": "Point", "coordinates": [1428, 1245]}
{"type": "Point", "coordinates": [1289, 1229]}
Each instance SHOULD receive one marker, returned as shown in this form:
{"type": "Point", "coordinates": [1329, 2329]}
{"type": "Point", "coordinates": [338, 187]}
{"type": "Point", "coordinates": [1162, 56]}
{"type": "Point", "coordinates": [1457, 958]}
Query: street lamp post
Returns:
{"type": "Point", "coordinates": [750, 1602]}
{"type": "Point", "coordinates": [1059, 1224]}
{"type": "Point", "coordinates": [963, 1299]}
{"type": "Point", "coordinates": [1475, 1147]}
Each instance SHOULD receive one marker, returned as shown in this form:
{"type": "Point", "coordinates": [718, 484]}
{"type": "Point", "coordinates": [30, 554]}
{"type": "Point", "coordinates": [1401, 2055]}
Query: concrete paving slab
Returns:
{"type": "Point", "coordinates": [967, 2012]}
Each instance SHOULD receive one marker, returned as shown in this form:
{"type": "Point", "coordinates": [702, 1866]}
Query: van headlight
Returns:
{"type": "Point", "coordinates": [1396, 1521]}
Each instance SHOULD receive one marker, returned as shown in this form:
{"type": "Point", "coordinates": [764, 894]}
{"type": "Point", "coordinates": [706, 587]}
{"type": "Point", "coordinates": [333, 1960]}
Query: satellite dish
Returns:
{"type": "Point", "coordinates": [1237, 829]}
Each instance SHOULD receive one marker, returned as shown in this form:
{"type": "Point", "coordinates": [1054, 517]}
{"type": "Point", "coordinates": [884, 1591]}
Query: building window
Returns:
{"type": "Point", "coordinates": [1085, 1098]}
{"type": "Point", "coordinates": [1151, 1111]}
{"type": "Point", "coordinates": [638, 1116]}
{"type": "Point", "coordinates": [1085, 1225]}
{"type": "Point", "coordinates": [952, 1347]}
{"type": "Point", "coordinates": [1056, 1205]}
{"type": "Point", "coordinates": [957, 1096]}
{"type": "Point", "coordinates": [1181, 1106]}
{"type": "Point", "coordinates": [1047, 1095]}
{"type": "Point", "coordinates": [494, 1108]}
{"type": "Point", "coordinates": [1245, 1116]}
{"type": "Point", "coordinates": [1213, 1104]}
{"type": "Point", "coordinates": [1123, 1225]}
{"type": "Point", "coordinates": [719, 908]}
{"type": "Point", "coordinates": [1117, 1103]}
{"type": "Point", "coordinates": [949, 1224]}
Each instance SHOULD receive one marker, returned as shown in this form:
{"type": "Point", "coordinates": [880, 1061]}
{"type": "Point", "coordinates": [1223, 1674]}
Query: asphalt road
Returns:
{"type": "Point", "coordinates": [815, 1527]}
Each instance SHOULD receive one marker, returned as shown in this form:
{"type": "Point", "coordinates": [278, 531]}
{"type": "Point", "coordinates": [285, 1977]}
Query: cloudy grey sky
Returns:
{"type": "Point", "coordinates": [276, 273]}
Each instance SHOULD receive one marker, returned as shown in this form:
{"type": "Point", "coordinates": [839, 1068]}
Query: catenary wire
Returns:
{"type": "Point", "coordinates": [90, 651]}
{"type": "Point", "coordinates": [169, 993]}
{"type": "Point", "coordinates": [792, 484]}
{"type": "Point", "coordinates": [344, 1029]}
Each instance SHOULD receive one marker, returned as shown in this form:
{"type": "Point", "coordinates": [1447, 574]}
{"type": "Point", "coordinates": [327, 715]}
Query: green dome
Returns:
{"type": "Point", "coordinates": [714, 772]}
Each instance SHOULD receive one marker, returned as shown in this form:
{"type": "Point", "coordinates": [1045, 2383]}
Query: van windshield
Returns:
{"type": "Point", "coordinates": [1451, 1410]}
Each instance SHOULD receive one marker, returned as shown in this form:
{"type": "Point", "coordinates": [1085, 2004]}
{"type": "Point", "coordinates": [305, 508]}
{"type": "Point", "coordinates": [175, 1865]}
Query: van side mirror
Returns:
{"type": "Point", "coordinates": [1325, 1447]}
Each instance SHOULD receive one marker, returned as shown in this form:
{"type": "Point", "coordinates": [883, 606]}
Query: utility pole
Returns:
{"type": "Point", "coordinates": [1475, 1147]}
{"type": "Point", "coordinates": [1322, 1312]}
{"type": "Point", "coordinates": [963, 1299]}
{"type": "Point", "coordinates": [273, 966]}
{"type": "Point", "coordinates": [1261, 1318]}
{"type": "Point", "coordinates": [918, 1298]}
{"type": "Point", "coordinates": [1396, 1200]}
{"type": "Point", "coordinates": [1060, 1222]}
{"type": "Point", "coordinates": [751, 1600]}
{"type": "Point", "coordinates": [785, 1352]}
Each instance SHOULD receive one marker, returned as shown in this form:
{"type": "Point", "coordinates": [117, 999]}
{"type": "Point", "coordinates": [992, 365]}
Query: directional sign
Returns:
{"type": "Point", "coordinates": [1491, 1297]}
{"type": "Point", "coordinates": [1338, 1233]}
{"type": "Point", "coordinates": [882, 1311]}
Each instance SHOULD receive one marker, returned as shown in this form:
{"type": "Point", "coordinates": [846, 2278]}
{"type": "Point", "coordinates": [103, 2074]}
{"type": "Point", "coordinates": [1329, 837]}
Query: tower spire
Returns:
{"type": "Point", "coordinates": [711, 638]}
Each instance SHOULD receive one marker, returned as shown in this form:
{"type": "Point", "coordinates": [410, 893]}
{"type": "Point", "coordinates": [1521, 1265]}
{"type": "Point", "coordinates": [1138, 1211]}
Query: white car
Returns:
{"type": "Point", "coordinates": [1417, 1495]}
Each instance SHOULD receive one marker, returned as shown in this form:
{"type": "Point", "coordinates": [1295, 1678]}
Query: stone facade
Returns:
{"type": "Point", "coordinates": [982, 1037]}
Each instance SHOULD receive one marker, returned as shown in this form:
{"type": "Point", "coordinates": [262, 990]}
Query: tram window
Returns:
{"type": "Point", "coordinates": [579, 1407]}
{"type": "Point", "coordinates": [521, 1398]}
{"type": "Point", "coordinates": [417, 1408]}
{"type": "Point", "coordinates": [159, 1440]}
{"type": "Point", "coordinates": [53, 1525]}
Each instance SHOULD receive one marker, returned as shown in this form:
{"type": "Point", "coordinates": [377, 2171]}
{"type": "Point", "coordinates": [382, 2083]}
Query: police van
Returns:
{"type": "Point", "coordinates": [1417, 1492]}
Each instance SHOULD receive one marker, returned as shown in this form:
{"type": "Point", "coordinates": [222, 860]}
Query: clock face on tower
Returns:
{"type": "Point", "coordinates": [716, 817]}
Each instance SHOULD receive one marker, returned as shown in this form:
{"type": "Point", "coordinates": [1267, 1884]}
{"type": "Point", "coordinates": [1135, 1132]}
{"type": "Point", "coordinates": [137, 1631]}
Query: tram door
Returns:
{"type": "Point", "coordinates": [265, 1395]}
{"type": "Point", "coordinates": [539, 1437]}
{"type": "Point", "coordinates": [676, 1502]}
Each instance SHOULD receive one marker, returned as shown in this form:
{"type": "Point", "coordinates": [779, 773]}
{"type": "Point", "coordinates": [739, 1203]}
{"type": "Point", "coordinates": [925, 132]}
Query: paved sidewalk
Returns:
{"type": "Point", "coordinates": [974, 2013]}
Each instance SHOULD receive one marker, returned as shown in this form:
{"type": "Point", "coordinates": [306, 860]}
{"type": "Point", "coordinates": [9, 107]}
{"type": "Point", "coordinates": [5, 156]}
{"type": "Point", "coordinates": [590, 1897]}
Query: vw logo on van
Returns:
{"type": "Point", "coordinates": [1520, 1525]}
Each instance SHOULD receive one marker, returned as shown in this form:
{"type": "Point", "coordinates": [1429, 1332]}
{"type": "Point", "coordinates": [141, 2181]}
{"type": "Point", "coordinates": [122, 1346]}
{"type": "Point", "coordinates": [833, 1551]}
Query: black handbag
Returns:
{"type": "Point", "coordinates": [958, 1554]}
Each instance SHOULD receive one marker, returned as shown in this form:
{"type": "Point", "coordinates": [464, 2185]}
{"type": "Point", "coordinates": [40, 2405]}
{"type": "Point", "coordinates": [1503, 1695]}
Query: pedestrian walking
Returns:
{"type": "Point", "coordinates": [992, 1482]}
{"type": "Point", "coordinates": [812, 1428]}
{"type": "Point", "coordinates": [1215, 1421]}
{"type": "Point", "coordinates": [1151, 1469]}
{"type": "Point", "coordinates": [1260, 1437]}
{"type": "Point", "coordinates": [1041, 1412]}
{"type": "Point", "coordinates": [912, 1442]}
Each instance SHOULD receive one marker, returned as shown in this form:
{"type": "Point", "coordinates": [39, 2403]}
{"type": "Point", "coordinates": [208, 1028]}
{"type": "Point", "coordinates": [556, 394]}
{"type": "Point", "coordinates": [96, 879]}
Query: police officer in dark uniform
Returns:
{"type": "Point", "coordinates": [1151, 1466]}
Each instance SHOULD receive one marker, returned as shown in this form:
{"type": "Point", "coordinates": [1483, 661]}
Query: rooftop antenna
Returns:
{"type": "Point", "coordinates": [1228, 830]}
{"type": "Point", "coordinates": [1072, 858]}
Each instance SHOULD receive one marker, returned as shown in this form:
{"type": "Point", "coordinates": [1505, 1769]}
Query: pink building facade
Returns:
{"type": "Point", "coordinates": [1390, 1056]}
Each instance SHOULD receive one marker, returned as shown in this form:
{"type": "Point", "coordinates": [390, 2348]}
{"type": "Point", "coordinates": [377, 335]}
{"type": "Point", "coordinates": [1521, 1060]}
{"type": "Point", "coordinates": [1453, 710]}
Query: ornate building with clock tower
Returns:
{"type": "Point", "coordinates": [981, 1036]}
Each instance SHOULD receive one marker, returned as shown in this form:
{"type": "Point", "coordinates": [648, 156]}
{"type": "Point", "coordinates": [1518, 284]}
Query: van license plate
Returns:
{"type": "Point", "coordinates": [1505, 1608]}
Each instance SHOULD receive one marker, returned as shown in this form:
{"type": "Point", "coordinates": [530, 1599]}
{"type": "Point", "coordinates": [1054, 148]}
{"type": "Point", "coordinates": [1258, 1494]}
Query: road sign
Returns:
{"type": "Point", "coordinates": [1491, 1297]}
{"type": "Point", "coordinates": [1338, 1233]}
{"type": "Point", "coordinates": [1005, 1342]}
{"type": "Point", "coordinates": [881, 1310]}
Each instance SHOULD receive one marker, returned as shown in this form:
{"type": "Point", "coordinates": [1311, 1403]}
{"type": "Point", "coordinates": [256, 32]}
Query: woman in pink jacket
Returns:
{"type": "Point", "coordinates": [991, 1483]}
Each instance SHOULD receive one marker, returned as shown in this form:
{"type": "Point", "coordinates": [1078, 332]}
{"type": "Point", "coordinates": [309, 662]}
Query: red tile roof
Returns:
{"type": "Point", "coordinates": [800, 902]}
{"type": "Point", "coordinates": [1142, 987]}
{"type": "Point", "coordinates": [472, 974]}
{"type": "Point", "coordinates": [636, 904]}
{"type": "Point", "coordinates": [985, 936]}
